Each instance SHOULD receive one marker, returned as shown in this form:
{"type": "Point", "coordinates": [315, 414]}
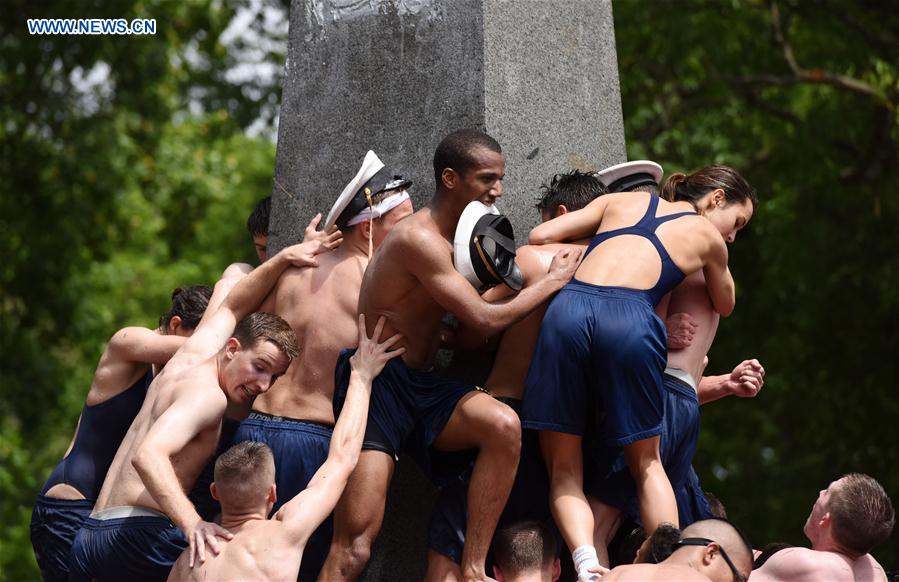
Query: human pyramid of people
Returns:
{"type": "Point", "coordinates": [253, 435]}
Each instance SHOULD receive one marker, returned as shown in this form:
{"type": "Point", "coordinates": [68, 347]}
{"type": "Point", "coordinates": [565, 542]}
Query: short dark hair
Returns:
{"type": "Point", "coordinates": [862, 513]}
{"type": "Point", "coordinates": [716, 506]}
{"type": "Point", "coordinates": [257, 223]}
{"type": "Point", "coordinates": [524, 546]}
{"type": "Point", "coordinates": [261, 326]}
{"type": "Point", "coordinates": [188, 303]}
{"type": "Point", "coordinates": [661, 542]}
{"type": "Point", "coordinates": [692, 187]}
{"type": "Point", "coordinates": [454, 151]}
{"type": "Point", "coordinates": [574, 189]}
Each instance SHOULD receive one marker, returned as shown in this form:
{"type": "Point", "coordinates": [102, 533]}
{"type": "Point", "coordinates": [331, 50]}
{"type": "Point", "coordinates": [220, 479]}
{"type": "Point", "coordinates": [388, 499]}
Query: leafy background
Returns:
{"type": "Point", "coordinates": [129, 164]}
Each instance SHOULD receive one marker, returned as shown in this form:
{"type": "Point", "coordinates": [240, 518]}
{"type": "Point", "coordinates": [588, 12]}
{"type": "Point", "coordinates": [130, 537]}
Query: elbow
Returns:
{"type": "Point", "coordinates": [534, 238]}
{"type": "Point", "coordinates": [141, 461]}
{"type": "Point", "coordinates": [727, 308]}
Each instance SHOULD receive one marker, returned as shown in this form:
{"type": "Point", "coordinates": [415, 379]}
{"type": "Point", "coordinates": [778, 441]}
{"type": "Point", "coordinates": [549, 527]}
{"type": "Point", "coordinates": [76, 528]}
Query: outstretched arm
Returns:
{"type": "Point", "coordinates": [243, 299]}
{"type": "Point", "coordinates": [191, 413]}
{"type": "Point", "coordinates": [142, 346]}
{"type": "Point", "coordinates": [434, 269]}
{"type": "Point", "coordinates": [744, 381]}
{"type": "Point", "coordinates": [310, 507]}
{"type": "Point", "coordinates": [571, 226]}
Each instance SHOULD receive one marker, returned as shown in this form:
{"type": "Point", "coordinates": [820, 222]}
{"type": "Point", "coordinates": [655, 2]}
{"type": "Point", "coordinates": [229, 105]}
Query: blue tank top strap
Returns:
{"type": "Point", "coordinates": [670, 274]}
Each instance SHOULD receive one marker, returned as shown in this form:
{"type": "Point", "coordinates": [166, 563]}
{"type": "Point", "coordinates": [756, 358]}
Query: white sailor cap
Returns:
{"type": "Point", "coordinates": [484, 248]}
{"type": "Point", "coordinates": [371, 179]}
{"type": "Point", "coordinates": [629, 176]}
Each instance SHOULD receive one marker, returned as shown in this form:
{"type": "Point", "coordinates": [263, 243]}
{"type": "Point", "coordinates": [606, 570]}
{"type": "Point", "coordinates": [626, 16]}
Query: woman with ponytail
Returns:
{"type": "Point", "coordinates": [126, 368]}
{"type": "Point", "coordinates": [601, 351]}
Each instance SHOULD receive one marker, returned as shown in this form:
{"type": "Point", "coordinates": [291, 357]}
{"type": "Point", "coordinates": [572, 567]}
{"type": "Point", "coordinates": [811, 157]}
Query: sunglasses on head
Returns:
{"type": "Point", "coordinates": [703, 542]}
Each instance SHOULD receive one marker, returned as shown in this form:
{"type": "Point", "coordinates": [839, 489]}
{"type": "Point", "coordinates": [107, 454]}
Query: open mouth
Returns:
{"type": "Point", "coordinates": [246, 391]}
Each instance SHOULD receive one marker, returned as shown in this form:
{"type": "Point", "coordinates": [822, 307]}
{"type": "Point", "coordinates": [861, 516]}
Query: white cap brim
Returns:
{"type": "Point", "coordinates": [371, 165]}
{"type": "Point", "coordinates": [616, 172]}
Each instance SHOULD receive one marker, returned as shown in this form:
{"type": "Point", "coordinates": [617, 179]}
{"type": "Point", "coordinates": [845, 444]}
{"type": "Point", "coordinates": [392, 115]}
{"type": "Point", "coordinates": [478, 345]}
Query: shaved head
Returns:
{"type": "Point", "coordinates": [243, 475]}
{"type": "Point", "coordinates": [727, 536]}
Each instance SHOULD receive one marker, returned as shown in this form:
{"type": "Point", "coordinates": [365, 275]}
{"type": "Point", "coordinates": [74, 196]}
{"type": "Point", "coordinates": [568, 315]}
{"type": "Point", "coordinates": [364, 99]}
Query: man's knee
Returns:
{"type": "Point", "coordinates": [503, 430]}
{"type": "Point", "coordinates": [352, 554]}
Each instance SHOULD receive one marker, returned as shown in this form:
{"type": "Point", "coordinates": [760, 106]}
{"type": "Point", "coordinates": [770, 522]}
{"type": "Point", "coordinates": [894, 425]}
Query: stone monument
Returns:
{"type": "Point", "coordinates": [396, 76]}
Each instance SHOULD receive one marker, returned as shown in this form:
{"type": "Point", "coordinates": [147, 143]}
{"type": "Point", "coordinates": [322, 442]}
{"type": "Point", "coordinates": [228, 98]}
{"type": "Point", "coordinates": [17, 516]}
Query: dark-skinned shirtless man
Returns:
{"type": "Point", "coordinates": [413, 282]}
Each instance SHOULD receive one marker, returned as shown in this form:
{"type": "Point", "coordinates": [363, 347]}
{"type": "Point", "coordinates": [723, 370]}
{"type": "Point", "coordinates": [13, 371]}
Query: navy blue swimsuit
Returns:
{"type": "Point", "coordinates": [100, 432]}
{"type": "Point", "coordinates": [601, 353]}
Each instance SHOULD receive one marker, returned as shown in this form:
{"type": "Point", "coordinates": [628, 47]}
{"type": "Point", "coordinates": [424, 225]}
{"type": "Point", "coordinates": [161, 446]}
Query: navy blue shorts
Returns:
{"type": "Point", "coordinates": [692, 504]}
{"type": "Point", "coordinates": [606, 475]}
{"type": "Point", "coordinates": [528, 500]}
{"type": "Point", "coordinates": [127, 548]}
{"type": "Point", "coordinates": [598, 362]}
{"type": "Point", "coordinates": [299, 448]}
{"type": "Point", "coordinates": [54, 523]}
{"type": "Point", "coordinates": [408, 410]}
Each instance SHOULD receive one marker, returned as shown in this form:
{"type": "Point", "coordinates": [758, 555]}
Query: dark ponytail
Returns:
{"type": "Point", "coordinates": [693, 187]}
{"type": "Point", "coordinates": [188, 303]}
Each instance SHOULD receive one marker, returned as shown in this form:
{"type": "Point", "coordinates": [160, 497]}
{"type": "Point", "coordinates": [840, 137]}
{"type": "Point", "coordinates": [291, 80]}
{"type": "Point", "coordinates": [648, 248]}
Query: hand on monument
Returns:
{"type": "Point", "coordinates": [202, 534]}
{"type": "Point", "coordinates": [681, 329]}
{"type": "Point", "coordinates": [564, 264]}
{"type": "Point", "coordinates": [371, 356]}
{"type": "Point", "coordinates": [311, 234]}
{"type": "Point", "coordinates": [747, 379]}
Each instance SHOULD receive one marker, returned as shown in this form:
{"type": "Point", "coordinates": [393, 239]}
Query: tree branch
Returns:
{"type": "Point", "coordinates": [802, 75]}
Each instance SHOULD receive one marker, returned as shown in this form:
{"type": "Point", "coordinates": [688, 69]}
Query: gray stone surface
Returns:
{"type": "Point", "coordinates": [396, 76]}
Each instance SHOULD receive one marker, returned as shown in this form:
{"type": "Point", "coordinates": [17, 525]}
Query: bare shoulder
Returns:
{"type": "Point", "coordinates": [867, 569]}
{"type": "Point", "coordinates": [800, 564]}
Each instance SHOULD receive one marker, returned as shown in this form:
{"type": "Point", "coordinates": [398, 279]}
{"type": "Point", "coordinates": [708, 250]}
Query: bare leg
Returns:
{"type": "Point", "coordinates": [607, 520]}
{"type": "Point", "coordinates": [482, 422]}
{"type": "Point", "coordinates": [358, 517]}
{"type": "Point", "coordinates": [442, 569]}
{"type": "Point", "coordinates": [657, 502]}
{"type": "Point", "coordinates": [564, 462]}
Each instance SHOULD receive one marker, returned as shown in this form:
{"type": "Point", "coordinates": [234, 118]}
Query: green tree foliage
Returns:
{"type": "Point", "coordinates": [125, 172]}
{"type": "Point", "coordinates": [801, 97]}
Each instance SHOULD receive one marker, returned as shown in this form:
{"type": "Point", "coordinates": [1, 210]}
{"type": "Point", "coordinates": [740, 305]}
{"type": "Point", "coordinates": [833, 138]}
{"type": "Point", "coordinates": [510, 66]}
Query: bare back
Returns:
{"type": "Point", "coordinates": [390, 288]}
{"type": "Point", "coordinates": [260, 550]}
{"type": "Point", "coordinates": [123, 486]}
{"type": "Point", "coordinates": [805, 565]}
{"type": "Point", "coordinates": [632, 261]}
{"type": "Point", "coordinates": [320, 305]}
{"type": "Point", "coordinates": [692, 297]}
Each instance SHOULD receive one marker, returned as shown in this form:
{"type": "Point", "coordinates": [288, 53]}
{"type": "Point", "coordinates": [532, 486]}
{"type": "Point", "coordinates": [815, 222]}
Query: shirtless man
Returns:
{"type": "Point", "coordinates": [527, 500]}
{"type": "Point", "coordinates": [271, 549]}
{"type": "Point", "coordinates": [711, 550]}
{"type": "Point", "coordinates": [413, 282]}
{"type": "Point", "coordinates": [295, 420]}
{"type": "Point", "coordinates": [848, 520]}
{"type": "Point", "coordinates": [143, 502]}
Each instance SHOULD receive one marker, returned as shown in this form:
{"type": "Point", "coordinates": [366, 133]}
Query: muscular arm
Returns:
{"type": "Point", "coordinates": [744, 381]}
{"type": "Point", "coordinates": [242, 300]}
{"type": "Point", "coordinates": [142, 345]}
{"type": "Point", "coordinates": [718, 279]}
{"type": "Point", "coordinates": [192, 412]}
{"type": "Point", "coordinates": [571, 225]}
{"type": "Point", "coordinates": [434, 269]}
